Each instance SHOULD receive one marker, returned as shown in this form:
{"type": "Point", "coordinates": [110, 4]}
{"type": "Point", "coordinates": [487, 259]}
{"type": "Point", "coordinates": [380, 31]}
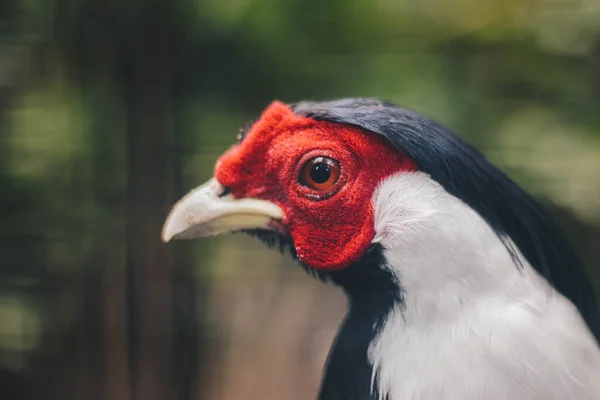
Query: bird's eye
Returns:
{"type": "Point", "coordinates": [320, 173]}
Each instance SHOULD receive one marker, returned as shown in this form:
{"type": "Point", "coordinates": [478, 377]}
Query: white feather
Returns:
{"type": "Point", "coordinates": [473, 325]}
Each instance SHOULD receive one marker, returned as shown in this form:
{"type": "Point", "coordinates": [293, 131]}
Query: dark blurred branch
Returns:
{"type": "Point", "coordinates": [149, 131]}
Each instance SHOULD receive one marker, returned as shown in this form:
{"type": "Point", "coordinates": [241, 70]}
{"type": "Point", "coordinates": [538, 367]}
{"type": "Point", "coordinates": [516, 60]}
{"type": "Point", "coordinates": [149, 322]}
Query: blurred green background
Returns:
{"type": "Point", "coordinates": [112, 109]}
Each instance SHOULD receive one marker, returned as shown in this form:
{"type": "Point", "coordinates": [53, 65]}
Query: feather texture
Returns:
{"type": "Point", "coordinates": [471, 325]}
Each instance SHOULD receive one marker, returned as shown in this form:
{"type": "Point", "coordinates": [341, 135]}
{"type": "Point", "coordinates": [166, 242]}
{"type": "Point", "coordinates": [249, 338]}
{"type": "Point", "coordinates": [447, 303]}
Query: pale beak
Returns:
{"type": "Point", "coordinates": [207, 211]}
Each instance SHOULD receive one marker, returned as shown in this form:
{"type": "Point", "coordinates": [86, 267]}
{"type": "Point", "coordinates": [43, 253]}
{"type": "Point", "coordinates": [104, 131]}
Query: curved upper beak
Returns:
{"type": "Point", "coordinates": [208, 211]}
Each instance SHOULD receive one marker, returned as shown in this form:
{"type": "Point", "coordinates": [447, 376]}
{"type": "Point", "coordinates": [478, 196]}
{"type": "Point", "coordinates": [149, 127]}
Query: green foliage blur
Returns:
{"type": "Point", "coordinates": [110, 110]}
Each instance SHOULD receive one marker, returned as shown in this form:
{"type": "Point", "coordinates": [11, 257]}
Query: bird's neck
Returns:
{"type": "Point", "coordinates": [373, 293]}
{"type": "Point", "coordinates": [452, 269]}
{"type": "Point", "coordinates": [444, 255]}
{"type": "Point", "coordinates": [432, 259]}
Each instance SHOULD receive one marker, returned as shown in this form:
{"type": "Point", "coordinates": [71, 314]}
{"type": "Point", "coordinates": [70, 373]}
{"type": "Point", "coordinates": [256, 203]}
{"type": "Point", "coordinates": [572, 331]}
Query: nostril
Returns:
{"type": "Point", "coordinates": [226, 191]}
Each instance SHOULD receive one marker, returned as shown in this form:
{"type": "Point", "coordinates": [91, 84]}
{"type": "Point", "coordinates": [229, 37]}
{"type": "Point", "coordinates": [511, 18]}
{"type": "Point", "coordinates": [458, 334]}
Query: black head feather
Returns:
{"type": "Point", "coordinates": [467, 175]}
{"type": "Point", "coordinates": [244, 130]}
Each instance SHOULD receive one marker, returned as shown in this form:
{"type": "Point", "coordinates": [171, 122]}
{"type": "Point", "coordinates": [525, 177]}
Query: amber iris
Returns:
{"type": "Point", "coordinates": [320, 173]}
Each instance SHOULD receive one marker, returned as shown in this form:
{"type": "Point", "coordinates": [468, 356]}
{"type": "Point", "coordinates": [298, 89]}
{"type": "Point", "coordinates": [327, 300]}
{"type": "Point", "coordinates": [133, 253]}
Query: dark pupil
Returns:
{"type": "Point", "coordinates": [320, 173]}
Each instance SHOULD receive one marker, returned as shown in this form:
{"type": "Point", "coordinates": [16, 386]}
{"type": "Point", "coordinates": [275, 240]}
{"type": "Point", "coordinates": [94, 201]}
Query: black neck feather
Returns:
{"type": "Point", "coordinates": [372, 292]}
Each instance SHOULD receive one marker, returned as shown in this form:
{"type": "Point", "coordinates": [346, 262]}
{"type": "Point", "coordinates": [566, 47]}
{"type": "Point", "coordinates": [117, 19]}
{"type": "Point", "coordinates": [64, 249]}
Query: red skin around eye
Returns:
{"type": "Point", "coordinates": [330, 229]}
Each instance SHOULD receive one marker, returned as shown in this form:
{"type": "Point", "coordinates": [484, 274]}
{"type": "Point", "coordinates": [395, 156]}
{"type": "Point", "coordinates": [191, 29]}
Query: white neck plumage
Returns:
{"type": "Point", "coordinates": [462, 292]}
{"type": "Point", "coordinates": [443, 253]}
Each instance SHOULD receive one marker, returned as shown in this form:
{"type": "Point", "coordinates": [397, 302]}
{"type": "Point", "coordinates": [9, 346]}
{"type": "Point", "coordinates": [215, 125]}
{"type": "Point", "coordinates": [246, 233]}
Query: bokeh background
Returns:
{"type": "Point", "coordinates": [112, 109]}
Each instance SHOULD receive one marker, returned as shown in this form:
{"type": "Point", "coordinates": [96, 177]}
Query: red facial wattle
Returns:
{"type": "Point", "coordinates": [330, 228]}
